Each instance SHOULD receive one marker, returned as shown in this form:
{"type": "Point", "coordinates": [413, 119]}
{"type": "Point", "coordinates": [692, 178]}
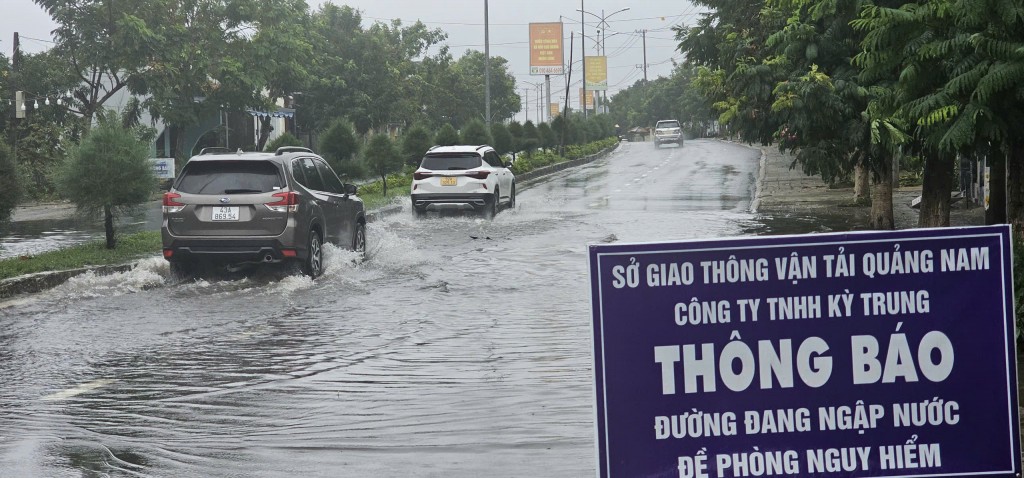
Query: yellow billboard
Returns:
{"type": "Point", "coordinates": [597, 73]}
{"type": "Point", "coordinates": [553, 109]}
{"type": "Point", "coordinates": [546, 49]}
{"type": "Point", "coordinates": [589, 97]}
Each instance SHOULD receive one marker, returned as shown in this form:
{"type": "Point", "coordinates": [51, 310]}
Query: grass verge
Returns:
{"type": "Point", "coordinates": [129, 248]}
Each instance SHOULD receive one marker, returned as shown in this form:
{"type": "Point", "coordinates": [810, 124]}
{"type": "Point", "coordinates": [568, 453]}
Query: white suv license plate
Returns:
{"type": "Point", "coordinates": [223, 213]}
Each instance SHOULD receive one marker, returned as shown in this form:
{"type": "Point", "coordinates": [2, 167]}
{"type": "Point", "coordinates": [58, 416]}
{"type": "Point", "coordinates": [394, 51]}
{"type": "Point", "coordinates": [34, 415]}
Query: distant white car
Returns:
{"type": "Point", "coordinates": [463, 177]}
{"type": "Point", "coordinates": [668, 131]}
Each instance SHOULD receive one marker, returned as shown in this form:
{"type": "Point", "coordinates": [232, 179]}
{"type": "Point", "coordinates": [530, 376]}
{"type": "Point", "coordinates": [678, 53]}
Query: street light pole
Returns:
{"type": "Point", "coordinates": [583, 51]}
{"type": "Point", "coordinates": [599, 41]}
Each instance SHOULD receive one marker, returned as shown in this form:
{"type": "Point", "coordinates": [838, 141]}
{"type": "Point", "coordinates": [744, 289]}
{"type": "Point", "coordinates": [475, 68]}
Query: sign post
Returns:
{"type": "Point", "coordinates": [878, 354]}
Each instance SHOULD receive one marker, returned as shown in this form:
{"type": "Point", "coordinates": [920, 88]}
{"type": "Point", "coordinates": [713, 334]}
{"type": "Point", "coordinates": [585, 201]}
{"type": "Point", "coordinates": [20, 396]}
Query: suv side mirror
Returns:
{"type": "Point", "coordinates": [350, 188]}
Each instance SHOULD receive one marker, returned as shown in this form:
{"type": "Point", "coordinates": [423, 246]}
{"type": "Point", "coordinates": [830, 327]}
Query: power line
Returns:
{"type": "Point", "coordinates": [472, 24]}
{"type": "Point", "coordinates": [23, 37]}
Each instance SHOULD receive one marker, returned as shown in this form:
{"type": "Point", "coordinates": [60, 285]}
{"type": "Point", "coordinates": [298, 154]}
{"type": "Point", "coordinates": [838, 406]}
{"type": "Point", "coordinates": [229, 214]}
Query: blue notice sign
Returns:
{"type": "Point", "coordinates": [863, 354]}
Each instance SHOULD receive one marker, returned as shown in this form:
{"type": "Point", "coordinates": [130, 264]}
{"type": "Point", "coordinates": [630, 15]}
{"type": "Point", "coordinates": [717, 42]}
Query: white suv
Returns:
{"type": "Point", "coordinates": [463, 177]}
{"type": "Point", "coordinates": [668, 131]}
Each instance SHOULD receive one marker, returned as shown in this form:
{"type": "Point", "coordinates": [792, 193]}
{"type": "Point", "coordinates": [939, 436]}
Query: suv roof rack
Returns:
{"type": "Point", "coordinates": [215, 150]}
{"type": "Point", "coordinates": [291, 149]}
{"type": "Point", "coordinates": [482, 146]}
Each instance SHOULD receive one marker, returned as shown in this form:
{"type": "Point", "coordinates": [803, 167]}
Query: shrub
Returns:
{"type": "Point", "coordinates": [502, 138]}
{"type": "Point", "coordinates": [531, 139]}
{"type": "Point", "coordinates": [547, 136]}
{"type": "Point", "coordinates": [338, 144]}
{"type": "Point", "coordinates": [109, 171]}
{"type": "Point", "coordinates": [475, 132]}
{"type": "Point", "coordinates": [447, 136]}
{"type": "Point", "coordinates": [286, 139]}
{"type": "Point", "coordinates": [415, 144]}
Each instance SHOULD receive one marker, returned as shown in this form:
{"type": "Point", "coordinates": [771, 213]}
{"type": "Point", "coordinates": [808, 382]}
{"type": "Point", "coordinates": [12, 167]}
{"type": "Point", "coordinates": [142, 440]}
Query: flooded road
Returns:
{"type": "Point", "coordinates": [460, 347]}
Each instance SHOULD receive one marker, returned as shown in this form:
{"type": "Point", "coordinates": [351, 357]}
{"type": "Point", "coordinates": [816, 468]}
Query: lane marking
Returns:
{"type": "Point", "coordinates": [83, 388]}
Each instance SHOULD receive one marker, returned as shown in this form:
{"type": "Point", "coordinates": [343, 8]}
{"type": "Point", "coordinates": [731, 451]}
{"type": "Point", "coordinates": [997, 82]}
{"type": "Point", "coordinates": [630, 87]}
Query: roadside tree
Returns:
{"type": "Point", "coordinates": [415, 143]}
{"type": "Point", "coordinates": [382, 158]}
{"type": "Point", "coordinates": [531, 139]}
{"type": "Point", "coordinates": [475, 132]}
{"type": "Point", "coordinates": [547, 136]}
{"type": "Point", "coordinates": [10, 190]}
{"type": "Point", "coordinates": [109, 172]}
{"type": "Point", "coordinates": [103, 45]}
{"type": "Point", "coordinates": [502, 138]}
{"type": "Point", "coordinates": [338, 144]}
{"type": "Point", "coordinates": [516, 130]}
{"type": "Point", "coordinates": [447, 136]}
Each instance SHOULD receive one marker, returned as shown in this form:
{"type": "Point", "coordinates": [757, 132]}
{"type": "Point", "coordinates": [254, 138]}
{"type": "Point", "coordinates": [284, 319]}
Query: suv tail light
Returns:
{"type": "Point", "coordinates": [420, 176]}
{"type": "Point", "coordinates": [289, 202]}
{"type": "Point", "coordinates": [170, 205]}
{"type": "Point", "coordinates": [478, 174]}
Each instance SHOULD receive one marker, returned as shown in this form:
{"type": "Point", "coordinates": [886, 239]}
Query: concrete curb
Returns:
{"type": "Point", "coordinates": [40, 281]}
{"type": "Point", "coordinates": [554, 168]}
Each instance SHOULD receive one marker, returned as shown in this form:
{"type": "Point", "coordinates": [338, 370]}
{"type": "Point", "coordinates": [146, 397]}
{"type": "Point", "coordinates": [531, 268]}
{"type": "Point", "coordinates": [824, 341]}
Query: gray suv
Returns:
{"type": "Point", "coordinates": [245, 208]}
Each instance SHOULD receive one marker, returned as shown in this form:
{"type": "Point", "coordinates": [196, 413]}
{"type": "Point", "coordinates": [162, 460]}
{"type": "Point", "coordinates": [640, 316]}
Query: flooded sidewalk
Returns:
{"type": "Point", "coordinates": [793, 203]}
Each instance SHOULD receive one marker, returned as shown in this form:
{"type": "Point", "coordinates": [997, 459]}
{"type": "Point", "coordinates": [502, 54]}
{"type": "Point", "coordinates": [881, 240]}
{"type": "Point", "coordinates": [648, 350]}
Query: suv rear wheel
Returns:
{"type": "Point", "coordinates": [313, 266]}
{"type": "Point", "coordinates": [182, 270]}
{"type": "Point", "coordinates": [512, 197]}
{"type": "Point", "coordinates": [492, 205]}
{"type": "Point", "coordinates": [359, 238]}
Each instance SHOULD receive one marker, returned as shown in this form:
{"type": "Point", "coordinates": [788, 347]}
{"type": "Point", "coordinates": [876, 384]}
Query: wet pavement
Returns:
{"type": "Point", "coordinates": [458, 347]}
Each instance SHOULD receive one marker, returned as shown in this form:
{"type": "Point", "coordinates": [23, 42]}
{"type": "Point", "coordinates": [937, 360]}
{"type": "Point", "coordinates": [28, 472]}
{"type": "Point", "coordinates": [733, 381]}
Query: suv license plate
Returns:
{"type": "Point", "coordinates": [449, 180]}
{"type": "Point", "coordinates": [222, 213]}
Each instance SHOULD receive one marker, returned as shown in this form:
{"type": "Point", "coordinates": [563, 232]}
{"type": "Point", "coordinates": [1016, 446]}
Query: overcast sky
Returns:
{"type": "Point", "coordinates": [463, 20]}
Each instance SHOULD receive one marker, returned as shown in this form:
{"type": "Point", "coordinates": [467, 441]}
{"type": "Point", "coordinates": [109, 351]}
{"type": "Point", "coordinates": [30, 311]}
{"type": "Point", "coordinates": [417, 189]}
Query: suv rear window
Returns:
{"type": "Point", "coordinates": [229, 177]}
{"type": "Point", "coordinates": [448, 161]}
{"type": "Point", "coordinates": [668, 124]}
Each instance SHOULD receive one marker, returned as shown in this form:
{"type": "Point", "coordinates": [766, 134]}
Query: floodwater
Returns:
{"type": "Point", "coordinates": [459, 347]}
{"type": "Point", "coordinates": [63, 227]}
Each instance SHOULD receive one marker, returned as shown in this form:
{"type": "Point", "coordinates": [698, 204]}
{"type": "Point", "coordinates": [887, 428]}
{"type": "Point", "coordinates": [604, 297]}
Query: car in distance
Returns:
{"type": "Point", "coordinates": [259, 207]}
{"type": "Point", "coordinates": [668, 131]}
{"type": "Point", "coordinates": [463, 177]}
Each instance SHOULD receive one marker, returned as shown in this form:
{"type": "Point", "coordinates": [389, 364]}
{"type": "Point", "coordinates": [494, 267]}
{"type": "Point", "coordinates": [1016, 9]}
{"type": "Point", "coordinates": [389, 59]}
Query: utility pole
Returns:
{"type": "Point", "coordinates": [568, 82]}
{"type": "Point", "coordinates": [527, 108]}
{"type": "Point", "coordinates": [540, 98]}
{"type": "Point", "coordinates": [487, 67]}
{"type": "Point", "coordinates": [583, 56]}
{"type": "Point", "coordinates": [15, 62]}
{"type": "Point", "coordinates": [645, 56]}
{"type": "Point", "coordinates": [547, 98]}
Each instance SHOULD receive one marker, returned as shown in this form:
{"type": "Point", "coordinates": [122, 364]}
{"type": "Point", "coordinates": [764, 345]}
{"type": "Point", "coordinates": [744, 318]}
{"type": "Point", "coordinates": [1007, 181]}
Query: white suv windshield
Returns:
{"type": "Point", "coordinates": [440, 162]}
{"type": "Point", "coordinates": [668, 124]}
